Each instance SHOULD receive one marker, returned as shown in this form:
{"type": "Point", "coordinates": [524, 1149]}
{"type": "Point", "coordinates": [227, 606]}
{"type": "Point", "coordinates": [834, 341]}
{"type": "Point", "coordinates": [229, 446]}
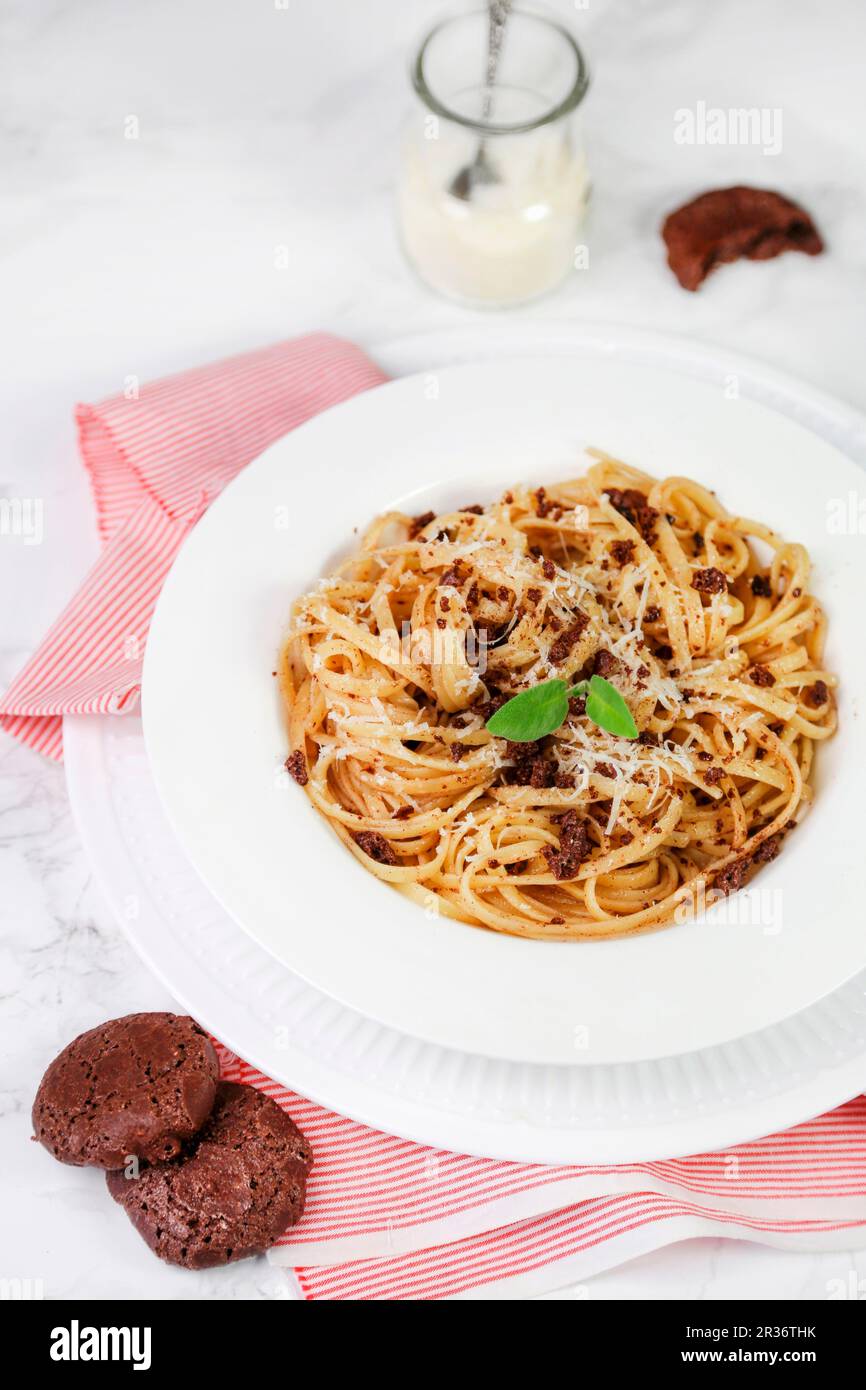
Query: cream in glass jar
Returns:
{"type": "Point", "coordinates": [494, 182]}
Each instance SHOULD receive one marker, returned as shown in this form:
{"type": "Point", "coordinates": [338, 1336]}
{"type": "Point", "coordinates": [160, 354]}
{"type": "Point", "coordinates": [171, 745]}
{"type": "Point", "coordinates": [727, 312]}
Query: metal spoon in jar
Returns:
{"type": "Point", "coordinates": [481, 171]}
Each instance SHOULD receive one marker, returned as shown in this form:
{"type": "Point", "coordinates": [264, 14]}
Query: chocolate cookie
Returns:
{"type": "Point", "coordinates": [728, 223]}
{"type": "Point", "coordinates": [237, 1185]}
{"type": "Point", "coordinates": [139, 1085]}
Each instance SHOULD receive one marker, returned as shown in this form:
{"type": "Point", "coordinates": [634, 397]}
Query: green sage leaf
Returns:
{"type": "Point", "coordinates": [606, 708]}
{"type": "Point", "coordinates": [541, 709]}
{"type": "Point", "coordinates": [531, 714]}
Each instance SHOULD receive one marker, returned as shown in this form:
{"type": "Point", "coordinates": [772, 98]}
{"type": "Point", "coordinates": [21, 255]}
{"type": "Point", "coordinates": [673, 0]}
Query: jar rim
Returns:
{"type": "Point", "coordinates": [572, 99]}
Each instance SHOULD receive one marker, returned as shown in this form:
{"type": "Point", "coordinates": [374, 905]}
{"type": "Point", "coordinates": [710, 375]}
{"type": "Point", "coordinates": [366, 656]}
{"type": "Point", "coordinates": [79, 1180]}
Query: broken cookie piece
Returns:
{"type": "Point", "coordinates": [729, 223]}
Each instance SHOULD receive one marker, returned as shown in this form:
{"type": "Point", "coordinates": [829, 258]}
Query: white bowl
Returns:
{"type": "Point", "coordinates": [216, 742]}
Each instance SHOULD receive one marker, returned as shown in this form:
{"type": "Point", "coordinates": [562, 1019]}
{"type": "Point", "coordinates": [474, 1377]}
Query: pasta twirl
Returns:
{"type": "Point", "coordinates": [702, 620]}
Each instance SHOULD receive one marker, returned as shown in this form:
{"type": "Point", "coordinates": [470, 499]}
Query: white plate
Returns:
{"type": "Point", "coordinates": [215, 740]}
{"type": "Point", "coordinates": [700, 1102]}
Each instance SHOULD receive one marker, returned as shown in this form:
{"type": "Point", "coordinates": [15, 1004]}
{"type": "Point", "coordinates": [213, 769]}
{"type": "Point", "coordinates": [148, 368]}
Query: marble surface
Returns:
{"type": "Point", "coordinates": [255, 203]}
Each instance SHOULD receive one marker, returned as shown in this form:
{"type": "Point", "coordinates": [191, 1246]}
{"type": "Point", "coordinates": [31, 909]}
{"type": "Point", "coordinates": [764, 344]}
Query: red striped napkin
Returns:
{"type": "Point", "coordinates": [390, 1219]}
{"type": "Point", "coordinates": [156, 458]}
{"type": "Point", "coordinates": [387, 1218]}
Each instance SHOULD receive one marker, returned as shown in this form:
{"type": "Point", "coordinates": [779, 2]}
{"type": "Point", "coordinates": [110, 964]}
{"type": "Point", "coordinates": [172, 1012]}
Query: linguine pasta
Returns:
{"type": "Point", "coordinates": [704, 623]}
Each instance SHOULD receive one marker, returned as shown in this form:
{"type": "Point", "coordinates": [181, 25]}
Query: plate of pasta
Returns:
{"type": "Point", "coordinates": [516, 706]}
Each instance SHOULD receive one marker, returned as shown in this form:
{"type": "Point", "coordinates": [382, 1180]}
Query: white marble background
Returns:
{"type": "Point", "coordinates": [266, 125]}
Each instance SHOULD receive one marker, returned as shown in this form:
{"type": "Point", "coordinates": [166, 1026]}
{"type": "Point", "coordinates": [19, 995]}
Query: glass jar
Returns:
{"type": "Point", "coordinates": [494, 184]}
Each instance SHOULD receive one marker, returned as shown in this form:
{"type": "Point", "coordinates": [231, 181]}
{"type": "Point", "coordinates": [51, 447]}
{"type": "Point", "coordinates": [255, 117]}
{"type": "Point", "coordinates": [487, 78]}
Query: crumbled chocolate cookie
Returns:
{"type": "Point", "coordinates": [375, 846]}
{"type": "Point", "coordinates": [761, 586]}
{"type": "Point", "coordinates": [816, 695]}
{"type": "Point", "coordinates": [604, 663]}
{"type": "Point", "coordinates": [762, 675]}
{"type": "Point", "coordinates": [296, 766]}
{"type": "Point", "coordinates": [574, 847]}
{"type": "Point", "coordinates": [417, 523]}
{"type": "Point", "coordinates": [622, 552]}
{"type": "Point", "coordinates": [709, 581]}
{"type": "Point", "coordinates": [560, 651]}
{"type": "Point", "coordinates": [732, 878]}
{"type": "Point", "coordinates": [631, 503]}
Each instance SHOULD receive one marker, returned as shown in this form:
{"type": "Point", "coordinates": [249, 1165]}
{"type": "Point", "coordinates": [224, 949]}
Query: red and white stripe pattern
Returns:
{"type": "Point", "coordinates": [386, 1218]}
{"type": "Point", "coordinates": [156, 457]}
{"type": "Point", "coordinates": [390, 1219]}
